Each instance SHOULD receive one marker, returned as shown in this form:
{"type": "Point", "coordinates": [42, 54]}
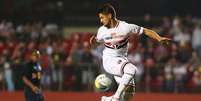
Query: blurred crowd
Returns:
{"type": "Point", "coordinates": [71, 64]}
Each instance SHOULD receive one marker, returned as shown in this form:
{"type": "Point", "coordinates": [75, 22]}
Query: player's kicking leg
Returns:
{"type": "Point", "coordinates": [127, 95]}
{"type": "Point", "coordinates": [129, 72]}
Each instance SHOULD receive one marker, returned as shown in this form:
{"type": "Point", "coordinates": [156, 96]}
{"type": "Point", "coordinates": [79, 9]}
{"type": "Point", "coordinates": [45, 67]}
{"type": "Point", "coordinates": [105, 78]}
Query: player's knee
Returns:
{"type": "Point", "coordinates": [130, 69]}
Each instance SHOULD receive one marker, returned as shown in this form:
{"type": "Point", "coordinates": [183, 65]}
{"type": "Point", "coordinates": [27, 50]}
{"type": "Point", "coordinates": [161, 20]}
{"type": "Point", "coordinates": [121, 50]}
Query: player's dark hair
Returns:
{"type": "Point", "coordinates": [35, 52]}
{"type": "Point", "coordinates": [107, 9]}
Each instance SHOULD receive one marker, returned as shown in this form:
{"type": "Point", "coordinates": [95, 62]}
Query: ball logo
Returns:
{"type": "Point", "coordinates": [102, 83]}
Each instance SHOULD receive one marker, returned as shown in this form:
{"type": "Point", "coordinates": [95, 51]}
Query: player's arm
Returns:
{"type": "Point", "coordinates": [93, 41]}
{"type": "Point", "coordinates": [28, 83]}
{"type": "Point", "coordinates": [97, 39]}
{"type": "Point", "coordinates": [152, 34]}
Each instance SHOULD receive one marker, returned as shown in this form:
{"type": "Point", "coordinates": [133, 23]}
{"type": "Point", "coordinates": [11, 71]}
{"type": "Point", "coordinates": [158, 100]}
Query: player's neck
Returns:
{"type": "Point", "coordinates": [114, 23]}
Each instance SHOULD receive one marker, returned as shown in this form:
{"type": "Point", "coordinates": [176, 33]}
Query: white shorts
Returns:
{"type": "Point", "coordinates": [114, 65]}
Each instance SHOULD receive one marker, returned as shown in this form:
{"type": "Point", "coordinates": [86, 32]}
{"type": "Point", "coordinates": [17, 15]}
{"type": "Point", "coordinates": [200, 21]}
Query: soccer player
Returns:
{"type": "Point", "coordinates": [114, 35]}
{"type": "Point", "coordinates": [31, 77]}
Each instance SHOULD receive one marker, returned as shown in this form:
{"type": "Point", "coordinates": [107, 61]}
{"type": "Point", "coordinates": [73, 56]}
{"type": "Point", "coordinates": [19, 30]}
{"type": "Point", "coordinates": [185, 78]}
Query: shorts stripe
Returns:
{"type": "Point", "coordinates": [129, 74]}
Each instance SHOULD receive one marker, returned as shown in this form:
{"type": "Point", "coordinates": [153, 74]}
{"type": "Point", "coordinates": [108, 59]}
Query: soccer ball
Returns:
{"type": "Point", "coordinates": [102, 82]}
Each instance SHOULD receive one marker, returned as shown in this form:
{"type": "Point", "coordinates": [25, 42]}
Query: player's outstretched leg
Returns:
{"type": "Point", "coordinates": [127, 95]}
{"type": "Point", "coordinates": [129, 71]}
{"type": "Point", "coordinates": [129, 92]}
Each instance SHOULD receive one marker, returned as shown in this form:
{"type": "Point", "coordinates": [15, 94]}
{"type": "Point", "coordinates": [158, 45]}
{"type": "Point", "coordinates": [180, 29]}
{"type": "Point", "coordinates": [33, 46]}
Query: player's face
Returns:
{"type": "Point", "coordinates": [35, 57]}
{"type": "Point", "coordinates": [105, 19]}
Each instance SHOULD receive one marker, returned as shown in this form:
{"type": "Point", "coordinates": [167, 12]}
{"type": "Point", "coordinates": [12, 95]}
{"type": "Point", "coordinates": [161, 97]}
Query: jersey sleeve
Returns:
{"type": "Point", "coordinates": [99, 36]}
{"type": "Point", "coordinates": [135, 29]}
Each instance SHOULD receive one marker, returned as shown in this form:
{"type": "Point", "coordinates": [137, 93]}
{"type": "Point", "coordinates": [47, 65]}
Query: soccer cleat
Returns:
{"type": "Point", "coordinates": [110, 98]}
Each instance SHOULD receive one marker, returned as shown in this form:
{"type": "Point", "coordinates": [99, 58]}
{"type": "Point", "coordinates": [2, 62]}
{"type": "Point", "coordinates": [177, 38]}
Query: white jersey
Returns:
{"type": "Point", "coordinates": [116, 39]}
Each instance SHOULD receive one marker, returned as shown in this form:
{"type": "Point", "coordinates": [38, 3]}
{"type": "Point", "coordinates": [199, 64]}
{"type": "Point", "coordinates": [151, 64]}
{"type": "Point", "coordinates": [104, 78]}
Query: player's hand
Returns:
{"type": "Point", "coordinates": [92, 40]}
{"type": "Point", "coordinates": [165, 40]}
{"type": "Point", "coordinates": [35, 89]}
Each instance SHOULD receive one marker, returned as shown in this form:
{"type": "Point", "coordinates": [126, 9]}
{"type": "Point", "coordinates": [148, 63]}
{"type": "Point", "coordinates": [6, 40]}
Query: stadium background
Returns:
{"type": "Point", "coordinates": [60, 29]}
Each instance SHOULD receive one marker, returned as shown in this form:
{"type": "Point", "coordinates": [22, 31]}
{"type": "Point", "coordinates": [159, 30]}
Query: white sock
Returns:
{"type": "Point", "coordinates": [122, 85]}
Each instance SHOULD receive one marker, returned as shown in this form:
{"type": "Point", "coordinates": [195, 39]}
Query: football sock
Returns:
{"type": "Point", "coordinates": [122, 85]}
